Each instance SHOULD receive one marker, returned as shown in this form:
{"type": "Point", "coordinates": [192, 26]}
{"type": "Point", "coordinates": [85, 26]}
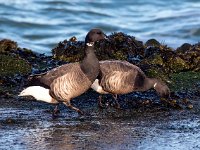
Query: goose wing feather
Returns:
{"type": "Point", "coordinates": [45, 79]}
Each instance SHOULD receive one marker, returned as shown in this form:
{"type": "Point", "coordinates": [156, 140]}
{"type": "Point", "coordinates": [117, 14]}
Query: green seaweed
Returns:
{"type": "Point", "coordinates": [7, 45]}
{"type": "Point", "coordinates": [11, 65]}
{"type": "Point", "coordinates": [176, 64]}
{"type": "Point", "coordinates": [184, 80]}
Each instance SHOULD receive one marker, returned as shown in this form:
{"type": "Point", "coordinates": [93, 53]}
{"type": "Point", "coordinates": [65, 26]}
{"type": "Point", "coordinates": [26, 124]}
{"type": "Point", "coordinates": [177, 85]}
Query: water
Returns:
{"type": "Point", "coordinates": [41, 24]}
{"type": "Point", "coordinates": [35, 129]}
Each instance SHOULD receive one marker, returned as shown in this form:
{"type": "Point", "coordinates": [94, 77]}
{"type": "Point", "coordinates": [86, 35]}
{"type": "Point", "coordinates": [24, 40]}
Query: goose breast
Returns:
{"type": "Point", "coordinates": [70, 85]}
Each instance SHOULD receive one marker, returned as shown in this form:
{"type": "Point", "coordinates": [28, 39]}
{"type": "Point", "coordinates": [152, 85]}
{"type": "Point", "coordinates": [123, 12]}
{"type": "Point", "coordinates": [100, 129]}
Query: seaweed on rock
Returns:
{"type": "Point", "coordinates": [155, 59]}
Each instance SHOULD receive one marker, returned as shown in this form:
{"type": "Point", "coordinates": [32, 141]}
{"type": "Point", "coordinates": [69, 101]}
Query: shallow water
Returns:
{"type": "Point", "coordinates": [40, 25]}
{"type": "Point", "coordinates": [34, 129]}
{"type": "Point", "coordinates": [26, 124]}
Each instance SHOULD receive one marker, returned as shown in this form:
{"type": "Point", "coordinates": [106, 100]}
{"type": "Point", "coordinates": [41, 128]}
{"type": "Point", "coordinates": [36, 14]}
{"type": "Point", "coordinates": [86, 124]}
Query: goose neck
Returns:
{"type": "Point", "coordinates": [90, 64]}
{"type": "Point", "coordinates": [149, 83]}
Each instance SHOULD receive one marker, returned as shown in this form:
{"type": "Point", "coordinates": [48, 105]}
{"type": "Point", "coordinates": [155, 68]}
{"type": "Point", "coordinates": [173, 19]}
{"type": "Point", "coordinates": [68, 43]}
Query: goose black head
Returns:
{"type": "Point", "coordinates": [94, 35]}
{"type": "Point", "coordinates": [162, 89]}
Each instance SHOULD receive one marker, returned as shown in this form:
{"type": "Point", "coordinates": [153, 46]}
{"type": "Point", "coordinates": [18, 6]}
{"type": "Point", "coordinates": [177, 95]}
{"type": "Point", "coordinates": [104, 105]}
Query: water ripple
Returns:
{"type": "Point", "coordinates": [39, 25]}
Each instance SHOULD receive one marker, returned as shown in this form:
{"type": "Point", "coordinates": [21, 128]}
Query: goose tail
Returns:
{"type": "Point", "coordinates": [39, 93]}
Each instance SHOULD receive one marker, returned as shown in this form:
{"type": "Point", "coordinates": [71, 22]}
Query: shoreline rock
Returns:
{"type": "Point", "coordinates": [155, 59]}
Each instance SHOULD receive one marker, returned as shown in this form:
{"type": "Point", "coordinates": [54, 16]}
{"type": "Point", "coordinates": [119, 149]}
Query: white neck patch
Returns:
{"type": "Point", "coordinates": [154, 85]}
{"type": "Point", "coordinates": [90, 44]}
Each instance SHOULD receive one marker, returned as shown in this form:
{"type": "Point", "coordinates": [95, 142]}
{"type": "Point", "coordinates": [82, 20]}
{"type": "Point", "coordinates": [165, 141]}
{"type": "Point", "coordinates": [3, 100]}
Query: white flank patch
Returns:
{"type": "Point", "coordinates": [95, 86]}
{"type": "Point", "coordinates": [38, 92]}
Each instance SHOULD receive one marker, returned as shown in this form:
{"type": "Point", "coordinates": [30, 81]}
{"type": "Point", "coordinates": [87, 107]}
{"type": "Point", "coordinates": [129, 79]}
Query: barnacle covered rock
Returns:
{"type": "Point", "coordinates": [154, 58]}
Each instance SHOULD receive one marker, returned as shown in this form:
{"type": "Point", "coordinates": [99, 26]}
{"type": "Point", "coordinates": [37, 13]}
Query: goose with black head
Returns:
{"type": "Point", "coordinates": [68, 81]}
{"type": "Point", "coordinates": [121, 77]}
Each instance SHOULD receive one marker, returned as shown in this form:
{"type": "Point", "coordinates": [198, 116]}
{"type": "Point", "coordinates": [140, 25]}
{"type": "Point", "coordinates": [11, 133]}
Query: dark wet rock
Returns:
{"type": "Point", "coordinates": [183, 48]}
{"type": "Point", "coordinates": [155, 59]}
{"type": "Point", "coordinates": [11, 65]}
{"type": "Point", "coordinates": [152, 42]}
{"type": "Point", "coordinates": [176, 64]}
{"type": "Point", "coordinates": [185, 80]}
{"type": "Point", "coordinates": [151, 56]}
{"type": "Point", "coordinates": [119, 46]}
{"type": "Point", "coordinates": [9, 121]}
{"type": "Point", "coordinates": [70, 51]}
{"type": "Point", "coordinates": [144, 116]}
{"type": "Point", "coordinates": [191, 56]}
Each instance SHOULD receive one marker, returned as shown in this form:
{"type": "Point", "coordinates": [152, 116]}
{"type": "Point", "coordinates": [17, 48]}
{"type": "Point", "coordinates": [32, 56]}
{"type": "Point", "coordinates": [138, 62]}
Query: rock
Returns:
{"type": "Point", "coordinates": [11, 65]}
{"type": "Point", "coordinates": [153, 43]}
{"type": "Point", "coordinates": [155, 59]}
{"type": "Point", "coordinates": [183, 48]}
{"type": "Point", "coordinates": [7, 45]}
{"type": "Point", "coordinates": [191, 57]}
{"type": "Point", "coordinates": [120, 46]}
{"type": "Point", "coordinates": [176, 64]}
{"type": "Point", "coordinates": [70, 51]}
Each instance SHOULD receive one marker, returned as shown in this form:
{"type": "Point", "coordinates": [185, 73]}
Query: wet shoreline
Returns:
{"type": "Point", "coordinates": [146, 121]}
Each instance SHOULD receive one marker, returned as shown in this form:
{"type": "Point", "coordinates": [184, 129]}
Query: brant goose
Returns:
{"type": "Point", "coordinates": [121, 77]}
{"type": "Point", "coordinates": [68, 81]}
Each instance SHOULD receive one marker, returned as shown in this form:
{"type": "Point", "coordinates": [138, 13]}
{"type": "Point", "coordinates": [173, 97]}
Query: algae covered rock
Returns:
{"type": "Point", "coordinates": [154, 58]}
{"type": "Point", "coordinates": [70, 51]}
{"type": "Point", "coordinates": [10, 61]}
{"type": "Point", "coordinates": [7, 45]}
{"type": "Point", "coordinates": [183, 48]}
{"type": "Point", "coordinates": [191, 56]}
{"type": "Point", "coordinates": [118, 46]}
{"type": "Point", "coordinates": [11, 65]}
{"type": "Point", "coordinates": [184, 80]}
{"type": "Point", "coordinates": [176, 64]}
{"type": "Point", "coordinates": [152, 42]}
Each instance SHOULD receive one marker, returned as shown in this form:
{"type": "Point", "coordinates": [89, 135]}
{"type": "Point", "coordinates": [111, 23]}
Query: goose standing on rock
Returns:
{"type": "Point", "coordinates": [68, 81]}
{"type": "Point", "coordinates": [121, 77]}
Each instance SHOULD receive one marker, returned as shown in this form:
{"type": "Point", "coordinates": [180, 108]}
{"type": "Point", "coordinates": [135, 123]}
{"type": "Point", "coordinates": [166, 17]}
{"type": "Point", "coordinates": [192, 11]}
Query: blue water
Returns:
{"type": "Point", "coordinates": [41, 24]}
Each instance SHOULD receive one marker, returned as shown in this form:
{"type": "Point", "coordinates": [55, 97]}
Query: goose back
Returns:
{"type": "Point", "coordinates": [120, 77]}
{"type": "Point", "coordinates": [45, 79]}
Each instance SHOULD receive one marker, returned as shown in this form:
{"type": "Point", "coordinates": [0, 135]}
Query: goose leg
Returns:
{"type": "Point", "coordinates": [56, 111]}
{"type": "Point", "coordinates": [100, 102]}
{"type": "Point", "coordinates": [68, 104]}
{"type": "Point", "coordinates": [116, 100]}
